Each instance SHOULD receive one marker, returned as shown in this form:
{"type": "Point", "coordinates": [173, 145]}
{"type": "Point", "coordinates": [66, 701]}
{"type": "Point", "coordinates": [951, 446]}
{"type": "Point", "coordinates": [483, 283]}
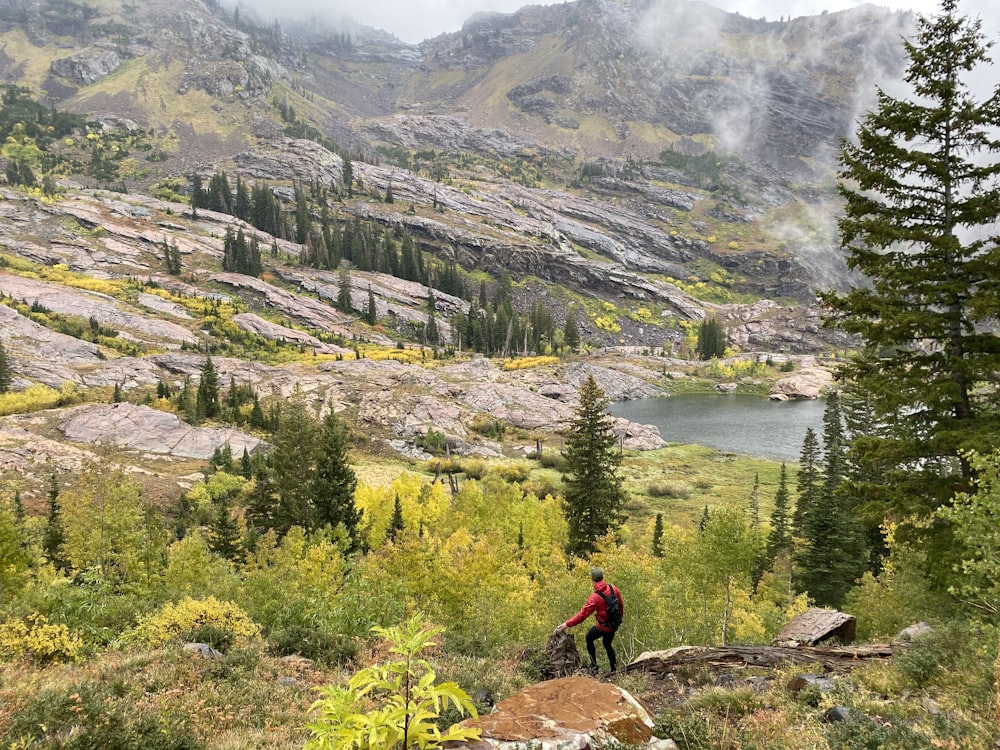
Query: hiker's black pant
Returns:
{"type": "Point", "coordinates": [592, 635]}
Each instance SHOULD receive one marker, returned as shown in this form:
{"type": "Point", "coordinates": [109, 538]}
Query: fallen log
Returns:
{"type": "Point", "coordinates": [831, 659]}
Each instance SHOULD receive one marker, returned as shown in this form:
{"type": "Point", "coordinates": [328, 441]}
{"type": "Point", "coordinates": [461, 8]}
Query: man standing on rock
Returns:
{"type": "Point", "coordinates": [607, 605]}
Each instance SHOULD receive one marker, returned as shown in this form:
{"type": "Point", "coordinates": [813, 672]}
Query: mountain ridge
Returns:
{"type": "Point", "coordinates": [499, 170]}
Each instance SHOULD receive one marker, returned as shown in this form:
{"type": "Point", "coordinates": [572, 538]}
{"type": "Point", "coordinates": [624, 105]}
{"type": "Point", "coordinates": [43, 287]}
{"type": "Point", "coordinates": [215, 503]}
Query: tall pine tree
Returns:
{"type": "Point", "coordinates": [208, 391]}
{"type": "Point", "coordinates": [593, 497]}
{"type": "Point", "coordinates": [334, 480]}
{"type": "Point", "coordinates": [809, 480]}
{"type": "Point", "coordinates": [831, 556]}
{"type": "Point", "coordinates": [6, 372]}
{"type": "Point", "coordinates": [921, 185]}
{"type": "Point", "coordinates": [52, 540]}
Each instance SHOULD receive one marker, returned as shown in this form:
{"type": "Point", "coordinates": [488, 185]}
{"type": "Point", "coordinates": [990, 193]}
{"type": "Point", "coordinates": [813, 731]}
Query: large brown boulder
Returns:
{"type": "Point", "coordinates": [568, 712]}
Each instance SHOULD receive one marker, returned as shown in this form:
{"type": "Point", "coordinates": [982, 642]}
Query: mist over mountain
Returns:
{"type": "Point", "coordinates": [630, 151]}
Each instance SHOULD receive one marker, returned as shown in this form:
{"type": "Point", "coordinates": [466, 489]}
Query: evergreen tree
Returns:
{"type": "Point", "coordinates": [657, 546]}
{"type": "Point", "coordinates": [371, 312]}
{"type": "Point", "coordinates": [571, 332]}
{"type": "Point", "coordinates": [779, 538]}
{"type": "Point", "coordinates": [199, 198]}
{"type": "Point", "coordinates": [705, 518]}
{"type": "Point", "coordinates": [808, 485]}
{"type": "Point", "coordinates": [187, 401]}
{"type": "Point", "coordinates": [220, 196]}
{"type": "Point", "coordinates": [396, 525]}
{"type": "Point", "coordinates": [303, 218]}
{"type": "Point", "coordinates": [334, 480]}
{"type": "Point", "coordinates": [344, 290]}
{"type": "Point", "coordinates": [6, 372]}
{"type": "Point", "coordinates": [52, 540]}
{"type": "Point", "coordinates": [18, 508]}
{"type": "Point", "coordinates": [172, 258]}
{"type": "Point", "coordinates": [431, 334]}
{"type": "Point", "coordinates": [711, 339]}
{"type": "Point", "coordinates": [408, 261]}
{"type": "Point", "coordinates": [348, 177]}
{"type": "Point", "coordinates": [293, 462]}
{"type": "Point", "coordinates": [921, 185]}
{"type": "Point", "coordinates": [224, 531]}
{"type": "Point", "coordinates": [831, 557]}
{"type": "Point", "coordinates": [593, 496]}
{"type": "Point", "coordinates": [208, 391]}
{"type": "Point", "coordinates": [222, 458]}
{"type": "Point", "coordinates": [258, 420]}
{"type": "Point", "coordinates": [241, 206]}
{"type": "Point", "coordinates": [116, 396]}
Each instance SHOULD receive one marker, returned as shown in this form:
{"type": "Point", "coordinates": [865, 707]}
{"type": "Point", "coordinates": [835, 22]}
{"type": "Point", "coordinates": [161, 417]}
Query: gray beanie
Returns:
{"type": "Point", "coordinates": [596, 574]}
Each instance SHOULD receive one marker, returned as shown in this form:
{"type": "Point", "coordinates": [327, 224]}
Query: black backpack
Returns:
{"type": "Point", "coordinates": [614, 607]}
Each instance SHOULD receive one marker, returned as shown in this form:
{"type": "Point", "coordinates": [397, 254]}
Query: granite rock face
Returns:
{"type": "Point", "coordinates": [140, 428]}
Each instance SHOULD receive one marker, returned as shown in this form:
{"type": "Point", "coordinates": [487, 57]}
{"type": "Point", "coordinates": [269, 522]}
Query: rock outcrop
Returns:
{"type": "Point", "coordinates": [809, 383]}
{"type": "Point", "coordinates": [88, 65]}
{"type": "Point", "coordinates": [93, 305]}
{"type": "Point", "coordinates": [140, 428]}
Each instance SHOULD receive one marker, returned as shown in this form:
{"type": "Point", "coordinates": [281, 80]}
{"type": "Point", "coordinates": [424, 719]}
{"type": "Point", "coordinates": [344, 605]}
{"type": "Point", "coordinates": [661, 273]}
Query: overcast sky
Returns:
{"type": "Point", "coordinates": [416, 20]}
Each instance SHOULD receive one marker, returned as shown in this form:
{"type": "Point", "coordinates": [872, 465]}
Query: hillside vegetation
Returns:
{"type": "Point", "coordinates": [298, 329]}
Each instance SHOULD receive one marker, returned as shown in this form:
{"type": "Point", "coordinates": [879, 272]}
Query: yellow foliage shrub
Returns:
{"type": "Point", "coordinates": [407, 356]}
{"type": "Point", "coordinates": [35, 398]}
{"type": "Point", "coordinates": [188, 617]}
{"type": "Point", "coordinates": [525, 363]}
{"type": "Point", "coordinates": [607, 324]}
{"type": "Point", "coordinates": [38, 640]}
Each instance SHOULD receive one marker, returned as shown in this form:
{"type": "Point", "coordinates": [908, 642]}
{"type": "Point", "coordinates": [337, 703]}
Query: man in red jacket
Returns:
{"type": "Point", "coordinates": [606, 625]}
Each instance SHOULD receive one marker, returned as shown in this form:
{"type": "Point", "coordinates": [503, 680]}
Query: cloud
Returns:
{"type": "Point", "coordinates": [416, 20]}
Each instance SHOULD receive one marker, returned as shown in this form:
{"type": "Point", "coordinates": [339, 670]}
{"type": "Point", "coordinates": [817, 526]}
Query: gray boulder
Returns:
{"type": "Point", "coordinates": [87, 66]}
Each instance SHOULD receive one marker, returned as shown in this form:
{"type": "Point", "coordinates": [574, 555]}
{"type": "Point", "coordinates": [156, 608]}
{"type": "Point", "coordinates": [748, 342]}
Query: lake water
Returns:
{"type": "Point", "coordinates": [732, 422]}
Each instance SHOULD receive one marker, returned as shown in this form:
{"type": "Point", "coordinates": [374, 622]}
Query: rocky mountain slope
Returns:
{"type": "Point", "coordinates": [581, 100]}
{"type": "Point", "coordinates": [643, 166]}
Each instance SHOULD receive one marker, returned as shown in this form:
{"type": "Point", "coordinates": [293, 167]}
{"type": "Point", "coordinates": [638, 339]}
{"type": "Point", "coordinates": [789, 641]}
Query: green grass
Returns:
{"type": "Point", "coordinates": [709, 477]}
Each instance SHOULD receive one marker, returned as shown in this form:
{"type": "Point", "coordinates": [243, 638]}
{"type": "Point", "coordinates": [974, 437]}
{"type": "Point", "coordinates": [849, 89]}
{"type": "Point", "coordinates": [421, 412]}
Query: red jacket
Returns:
{"type": "Point", "coordinates": [595, 603]}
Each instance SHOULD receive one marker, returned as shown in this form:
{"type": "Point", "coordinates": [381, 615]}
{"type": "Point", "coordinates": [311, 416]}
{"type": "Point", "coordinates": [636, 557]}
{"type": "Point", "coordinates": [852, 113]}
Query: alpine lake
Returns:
{"type": "Point", "coordinates": [730, 422]}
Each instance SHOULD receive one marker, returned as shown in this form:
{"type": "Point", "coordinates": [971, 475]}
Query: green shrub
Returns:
{"type": "Point", "coordinates": [738, 702]}
{"type": "Point", "coordinates": [934, 652]}
{"type": "Point", "coordinates": [553, 460]}
{"type": "Point", "coordinates": [80, 717]}
{"type": "Point", "coordinates": [433, 441]}
{"type": "Point", "coordinates": [491, 428]}
{"type": "Point", "coordinates": [236, 666]}
{"type": "Point", "coordinates": [669, 488]}
{"type": "Point", "coordinates": [542, 486]}
{"type": "Point", "coordinates": [863, 733]}
{"type": "Point", "coordinates": [314, 642]}
{"type": "Point", "coordinates": [390, 704]}
{"type": "Point", "coordinates": [689, 731]}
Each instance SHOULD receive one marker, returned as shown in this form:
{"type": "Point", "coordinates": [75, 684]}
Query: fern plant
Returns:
{"type": "Point", "coordinates": [391, 705]}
